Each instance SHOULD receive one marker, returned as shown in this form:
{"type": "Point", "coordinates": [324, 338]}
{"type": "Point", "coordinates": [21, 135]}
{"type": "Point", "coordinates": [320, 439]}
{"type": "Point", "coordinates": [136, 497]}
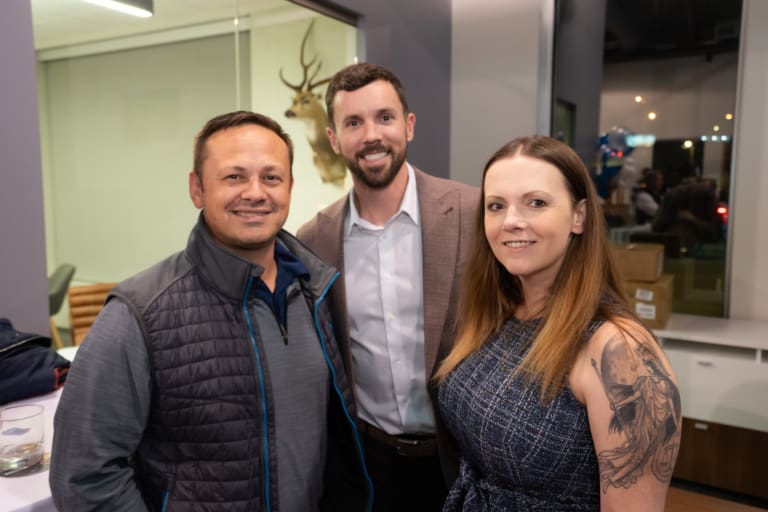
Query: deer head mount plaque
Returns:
{"type": "Point", "coordinates": [307, 106]}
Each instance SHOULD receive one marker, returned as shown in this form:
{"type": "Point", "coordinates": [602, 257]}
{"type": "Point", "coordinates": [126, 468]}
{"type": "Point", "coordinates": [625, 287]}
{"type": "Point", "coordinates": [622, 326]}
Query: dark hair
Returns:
{"type": "Point", "coordinates": [650, 178]}
{"type": "Point", "coordinates": [231, 120]}
{"type": "Point", "coordinates": [355, 76]}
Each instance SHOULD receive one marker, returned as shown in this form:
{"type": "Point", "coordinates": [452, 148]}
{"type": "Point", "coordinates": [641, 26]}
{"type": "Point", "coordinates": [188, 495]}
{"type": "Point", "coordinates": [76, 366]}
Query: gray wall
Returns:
{"type": "Point", "coordinates": [499, 78]}
{"type": "Point", "coordinates": [579, 68]}
{"type": "Point", "coordinates": [413, 39]}
{"type": "Point", "coordinates": [23, 284]}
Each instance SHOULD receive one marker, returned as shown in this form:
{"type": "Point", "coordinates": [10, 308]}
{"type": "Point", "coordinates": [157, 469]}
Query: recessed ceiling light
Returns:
{"type": "Point", "coordinates": [651, 115]}
{"type": "Point", "coordinates": [638, 99]}
{"type": "Point", "coordinates": [716, 128]}
{"type": "Point", "coordinates": [729, 116]}
{"type": "Point", "coordinates": [140, 8]}
{"type": "Point", "coordinates": [688, 144]}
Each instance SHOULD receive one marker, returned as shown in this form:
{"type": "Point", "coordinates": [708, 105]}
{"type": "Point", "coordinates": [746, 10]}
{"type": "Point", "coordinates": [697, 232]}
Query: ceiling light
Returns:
{"type": "Point", "coordinates": [729, 116]}
{"type": "Point", "coordinates": [641, 140]}
{"type": "Point", "coordinates": [716, 128]}
{"type": "Point", "coordinates": [688, 144]}
{"type": "Point", "coordinates": [651, 115]}
{"type": "Point", "coordinates": [638, 99]}
{"type": "Point", "coordinates": [140, 8]}
{"type": "Point", "coordinates": [724, 138]}
{"type": "Point", "coordinates": [704, 138]}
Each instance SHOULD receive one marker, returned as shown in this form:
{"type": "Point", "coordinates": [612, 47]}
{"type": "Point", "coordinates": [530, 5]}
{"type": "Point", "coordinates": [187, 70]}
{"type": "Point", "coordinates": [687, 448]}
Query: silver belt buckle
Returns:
{"type": "Point", "coordinates": [403, 446]}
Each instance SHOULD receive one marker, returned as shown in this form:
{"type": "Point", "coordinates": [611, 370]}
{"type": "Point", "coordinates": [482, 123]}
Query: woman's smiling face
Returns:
{"type": "Point", "coordinates": [529, 217]}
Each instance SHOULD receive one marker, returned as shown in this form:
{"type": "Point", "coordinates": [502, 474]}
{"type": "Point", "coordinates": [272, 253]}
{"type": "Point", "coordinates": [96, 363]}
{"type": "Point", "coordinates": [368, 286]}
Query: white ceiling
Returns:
{"type": "Point", "coordinates": [67, 22]}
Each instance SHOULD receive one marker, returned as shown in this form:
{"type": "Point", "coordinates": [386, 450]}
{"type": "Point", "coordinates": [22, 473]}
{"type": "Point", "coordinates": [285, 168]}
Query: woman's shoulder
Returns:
{"type": "Point", "coordinates": [616, 345]}
{"type": "Point", "coordinates": [619, 330]}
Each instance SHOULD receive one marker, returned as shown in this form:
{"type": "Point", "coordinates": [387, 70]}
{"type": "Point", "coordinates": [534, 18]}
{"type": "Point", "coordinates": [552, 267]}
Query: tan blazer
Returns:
{"type": "Point", "coordinates": [448, 214]}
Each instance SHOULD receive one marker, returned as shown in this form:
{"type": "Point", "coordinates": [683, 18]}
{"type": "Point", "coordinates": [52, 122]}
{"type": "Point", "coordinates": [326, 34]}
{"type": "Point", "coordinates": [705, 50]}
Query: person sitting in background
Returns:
{"type": "Point", "coordinates": [647, 196]}
{"type": "Point", "coordinates": [559, 398]}
{"type": "Point", "coordinates": [690, 211]}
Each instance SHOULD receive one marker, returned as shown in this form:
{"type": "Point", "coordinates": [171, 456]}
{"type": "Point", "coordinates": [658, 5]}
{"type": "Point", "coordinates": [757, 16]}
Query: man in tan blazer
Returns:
{"type": "Point", "coordinates": [399, 239]}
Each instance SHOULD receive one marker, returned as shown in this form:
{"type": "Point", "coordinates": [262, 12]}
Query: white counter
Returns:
{"type": "Point", "coordinates": [722, 368]}
{"type": "Point", "coordinates": [717, 331]}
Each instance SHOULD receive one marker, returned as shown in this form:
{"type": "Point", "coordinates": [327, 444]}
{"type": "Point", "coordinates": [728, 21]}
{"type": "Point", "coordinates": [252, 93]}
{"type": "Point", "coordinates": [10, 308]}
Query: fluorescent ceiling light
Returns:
{"type": "Point", "coordinates": [140, 8]}
{"type": "Point", "coordinates": [641, 140]}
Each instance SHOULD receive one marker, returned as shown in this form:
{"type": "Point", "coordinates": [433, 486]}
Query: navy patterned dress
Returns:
{"type": "Point", "coordinates": [516, 455]}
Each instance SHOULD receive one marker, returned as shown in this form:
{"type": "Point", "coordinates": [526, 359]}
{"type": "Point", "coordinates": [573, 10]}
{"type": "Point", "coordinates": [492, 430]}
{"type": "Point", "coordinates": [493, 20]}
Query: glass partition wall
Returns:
{"type": "Point", "coordinates": [651, 90]}
{"type": "Point", "coordinates": [121, 99]}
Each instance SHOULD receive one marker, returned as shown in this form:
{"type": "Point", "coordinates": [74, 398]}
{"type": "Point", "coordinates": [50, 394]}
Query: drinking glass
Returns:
{"type": "Point", "coordinates": [21, 437]}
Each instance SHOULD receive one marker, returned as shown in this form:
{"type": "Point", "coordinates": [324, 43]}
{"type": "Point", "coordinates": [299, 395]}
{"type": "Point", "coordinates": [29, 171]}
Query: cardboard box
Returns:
{"type": "Point", "coordinates": [652, 302]}
{"type": "Point", "coordinates": [640, 262]}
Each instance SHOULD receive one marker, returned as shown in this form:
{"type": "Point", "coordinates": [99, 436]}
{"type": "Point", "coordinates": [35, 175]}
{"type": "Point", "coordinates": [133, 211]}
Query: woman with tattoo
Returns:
{"type": "Point", "coordinates": [559, 398]}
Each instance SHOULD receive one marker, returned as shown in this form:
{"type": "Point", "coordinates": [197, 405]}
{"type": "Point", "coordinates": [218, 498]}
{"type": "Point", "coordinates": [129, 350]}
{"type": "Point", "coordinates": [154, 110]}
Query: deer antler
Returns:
{"type": "Point", "coordinates": [312, 84]}
{"type": "Point", "coordinates": [306, 67]}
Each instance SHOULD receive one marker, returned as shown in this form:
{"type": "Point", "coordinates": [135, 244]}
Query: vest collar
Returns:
{"type": "Point", "coordinates": [228, 273]}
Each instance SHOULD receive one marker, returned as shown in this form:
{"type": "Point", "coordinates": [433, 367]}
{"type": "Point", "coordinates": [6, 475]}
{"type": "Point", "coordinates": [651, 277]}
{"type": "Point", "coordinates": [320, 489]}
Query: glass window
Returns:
{"type": "Point", "coordinates": [121, 99]}
{"type": "Point", "coordinates": [662, 129]}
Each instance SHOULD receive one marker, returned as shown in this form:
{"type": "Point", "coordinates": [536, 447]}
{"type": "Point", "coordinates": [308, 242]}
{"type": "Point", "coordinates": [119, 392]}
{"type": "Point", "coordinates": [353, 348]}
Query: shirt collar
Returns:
{"type": "Point", "coordinates": [409, 206]}
{"type": "Point", "coordinates": [289, 267]}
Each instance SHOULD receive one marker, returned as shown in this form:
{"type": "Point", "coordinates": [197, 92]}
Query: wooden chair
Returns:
{"type": "Point", "coordinates": [85, 303]}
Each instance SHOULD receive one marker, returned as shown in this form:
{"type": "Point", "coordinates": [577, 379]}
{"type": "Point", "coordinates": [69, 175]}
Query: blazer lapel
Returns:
{"type": "Point", "coordinates": [439, 239]}
{"type": "Point", "coordinates": [330, 226]}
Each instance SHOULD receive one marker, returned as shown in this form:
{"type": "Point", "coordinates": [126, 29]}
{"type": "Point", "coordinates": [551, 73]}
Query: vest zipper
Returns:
{"type": "Point", "coordinates": [263, 390]}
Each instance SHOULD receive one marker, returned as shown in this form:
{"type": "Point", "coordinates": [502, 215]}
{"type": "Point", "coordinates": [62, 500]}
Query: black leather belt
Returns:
{"type": "Point", "coordinates": [406, 445]}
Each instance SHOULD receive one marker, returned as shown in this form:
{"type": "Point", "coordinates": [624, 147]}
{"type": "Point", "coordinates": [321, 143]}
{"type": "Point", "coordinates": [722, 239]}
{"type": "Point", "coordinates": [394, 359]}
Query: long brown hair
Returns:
{"type": "Point", "coordinates": [587, 285]}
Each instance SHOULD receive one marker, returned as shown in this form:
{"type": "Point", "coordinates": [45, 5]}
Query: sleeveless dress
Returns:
{"type": "Point", "coordinates": [515, 453]}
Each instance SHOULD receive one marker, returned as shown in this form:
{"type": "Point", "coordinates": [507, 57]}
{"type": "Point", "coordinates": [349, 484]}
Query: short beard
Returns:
{"type": "Point", "coordinates": [379, 180]}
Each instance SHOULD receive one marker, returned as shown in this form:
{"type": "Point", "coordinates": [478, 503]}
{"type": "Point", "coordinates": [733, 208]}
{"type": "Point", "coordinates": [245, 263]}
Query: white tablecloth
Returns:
{"type": "Point", "coordinates": [31, 493]}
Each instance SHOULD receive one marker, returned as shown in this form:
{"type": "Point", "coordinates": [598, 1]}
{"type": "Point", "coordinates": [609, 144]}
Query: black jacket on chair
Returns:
{"type": "Point", "coordinates": [28, 366]}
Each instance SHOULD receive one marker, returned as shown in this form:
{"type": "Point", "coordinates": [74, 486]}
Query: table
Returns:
{"type": "Point", "coordinates": [68, 352]}
{"type": "Point", "coordinates": [31, 493]}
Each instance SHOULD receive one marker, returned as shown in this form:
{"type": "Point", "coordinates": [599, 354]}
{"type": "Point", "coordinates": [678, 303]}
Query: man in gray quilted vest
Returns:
{"type": "Point", "coordinates": [213, 380]}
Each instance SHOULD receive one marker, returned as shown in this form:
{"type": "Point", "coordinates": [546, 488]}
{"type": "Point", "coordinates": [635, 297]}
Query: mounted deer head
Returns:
{"type": "Point", "coordinates": [308, 107]}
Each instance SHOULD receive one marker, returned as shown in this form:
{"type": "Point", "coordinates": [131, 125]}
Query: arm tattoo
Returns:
{"type": "Point", "coordinates": [646, 413]}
